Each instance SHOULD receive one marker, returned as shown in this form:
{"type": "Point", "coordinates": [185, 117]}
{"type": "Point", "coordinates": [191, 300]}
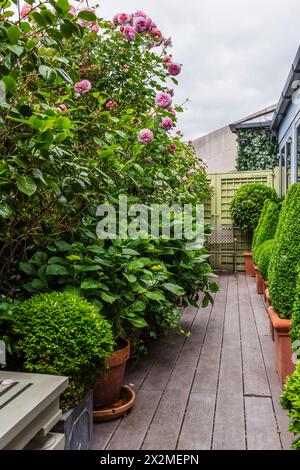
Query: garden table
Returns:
{"type": "Point", "coordinates": [29, 408]}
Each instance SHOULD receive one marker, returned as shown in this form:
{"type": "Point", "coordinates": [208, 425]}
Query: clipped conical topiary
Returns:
{"type": "Point", "coordinates": [285, 258]}
{"type": "Point", "coordinates": [264, 254]}
{"type": "Point", "coordinates": [266, 227]}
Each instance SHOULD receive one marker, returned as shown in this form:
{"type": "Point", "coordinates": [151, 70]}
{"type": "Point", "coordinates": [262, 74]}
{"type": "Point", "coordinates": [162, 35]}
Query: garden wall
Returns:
{"type": "Point", "coordinates": [217, 210]}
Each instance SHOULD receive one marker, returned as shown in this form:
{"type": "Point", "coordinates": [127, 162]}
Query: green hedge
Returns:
{"type": "Point", "coordinates": [286, 255]}
{"type": "Point", "coordinates": [295, 330]}
{"type": "Point", "coordinates": [247, 204]}
{"type": "Point", "coordinates": [256, 150]}
{"type": "Point", "coordinates": [62, 334]}
{"type": "Point", "coordinates": [264, 256]}
{"type": "Point", "coordinates": [266, 227]}
{"type": "Point", "coordinates": [290, 400]}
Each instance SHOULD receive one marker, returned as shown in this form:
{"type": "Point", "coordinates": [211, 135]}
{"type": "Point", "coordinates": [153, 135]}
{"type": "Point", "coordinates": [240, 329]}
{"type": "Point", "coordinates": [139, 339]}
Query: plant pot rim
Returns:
{"type": "Point", "coordinates": [247, 254]}
{"type": "Point", "coordinates": [278, 323]}
{"type": "Point", "coordinates": [121, 355]}
{"type": "Point", "coordinates": [267, 292]}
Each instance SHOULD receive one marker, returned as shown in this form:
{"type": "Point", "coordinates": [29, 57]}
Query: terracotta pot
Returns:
{"type": "Point", "coordinates": [283, 345]}
{"type": "Point", "coordinates": [268, 303]}
{"type": "Point", "coordinates": [265, 287]}
{"type": "Point", "coordinates": [249, 265]}
{"type": "Point", "coordinates": [108, 388]}
{"type": "Point", "coordinates": [259, 281]}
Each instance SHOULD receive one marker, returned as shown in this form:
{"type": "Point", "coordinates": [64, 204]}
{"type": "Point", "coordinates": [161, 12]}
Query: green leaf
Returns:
{"type": "Point", "coordinates": [138, 322]}
{"type": "Point", "coordinates": [62, 5]}
{"type": "Point", "coordinates": [87, 16]}
{"type": "Point", "coordinates": [67, 29]}
{"type": "Point", "coordinates": [107, 298]}
{"type": "Point", "coordinates": [47, 73]}
{"type": "Point", "coordinates": [38, 18]}
{"type": "Point", "coordinates": [138, 306]}
{"type": "Point", "coordinates": [13, 34]}
{"type": "Point", "coordinates": [18, 50]}
{"type": "Point", "coordinates": [90, 284]}
{"type": "Point", "coordinates": [5, 211]}
{"type": "Point", "coordinates": [129, 251]}
{"type": "Point", "coordinates": [56, 270]}
{"type": "Point", "coordinates": [38, 284]}
{"type": "Point", "coordinates": [73, 290]}
{"type": "Point", "coordinates": [10, 84]}
{"type": "Point", "coordinates": [27, 268]}
{"type": "Point", "coordinates": [130, 278]}
{"type": "Point", "coordinates": [85, 268]}
{"type": "Point", "coordinates": [63, 246]}
{"type": "Point", "coordinates": [25, 26]}
{"type": "Point", "coordinates": [174, 288]}
{"type": "Point", "coordinates": [26, 185]}
{"type": "Point", "coordinates": [155, 295]}
{"type": "Point", "coordinates": [58, 260]}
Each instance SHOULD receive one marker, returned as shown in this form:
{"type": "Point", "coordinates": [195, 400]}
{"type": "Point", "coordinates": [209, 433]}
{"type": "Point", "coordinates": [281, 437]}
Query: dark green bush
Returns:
{"type": "Point", "coordinates": [266, 227]}
{"type": "Point", "coordinates": [285, 258]}
{"type": "Point", "coordinates": [61, 334]}
{"type": "Point", "coordinates": [264, 255]}
{"type": "Point", "coordinates": [290, 400]}
{"type": "Point", "coordinates": [248, 203]}
{"type": "Point", "coordinates": [295, 330]}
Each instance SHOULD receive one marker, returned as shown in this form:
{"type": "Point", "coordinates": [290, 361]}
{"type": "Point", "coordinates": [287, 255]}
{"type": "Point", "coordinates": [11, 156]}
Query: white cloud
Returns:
{"type": "Point", "coordinates": [236, 53]}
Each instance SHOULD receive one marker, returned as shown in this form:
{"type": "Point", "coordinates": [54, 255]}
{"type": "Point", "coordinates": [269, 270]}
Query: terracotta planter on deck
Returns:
{"type": "Point", "coordinates": [268, 304]}
{"type": "Point", "coordinates": [108, 388]}
{"type": "Point", "coordinates": [283, 345]}
{"type": "Point", "coordinates": [259, 281]}
{"type": "Point", "coordinates": [249, 265]}
{"type": "Point", "coordinates": [265, 288]}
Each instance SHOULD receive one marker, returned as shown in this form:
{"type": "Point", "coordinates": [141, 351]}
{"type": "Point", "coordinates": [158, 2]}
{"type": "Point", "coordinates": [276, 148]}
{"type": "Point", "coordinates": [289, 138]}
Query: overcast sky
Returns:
{"type": "Point", "coordinates": [236, 53]}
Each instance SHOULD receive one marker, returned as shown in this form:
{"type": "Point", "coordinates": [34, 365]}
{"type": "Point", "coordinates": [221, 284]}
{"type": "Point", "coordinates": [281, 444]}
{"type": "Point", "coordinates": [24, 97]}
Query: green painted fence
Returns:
{"type": "Point", "coordinates": [217, 210]}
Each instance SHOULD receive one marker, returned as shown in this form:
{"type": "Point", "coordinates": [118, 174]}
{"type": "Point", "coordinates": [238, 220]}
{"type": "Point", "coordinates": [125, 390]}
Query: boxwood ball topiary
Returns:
{"type": "Point", "coordinates": [62, 334]}
{"type": "Point", "coordinates": [290, 400]}
{"type": "Point", "coordinates": [264, 253]}
{"type": "Point", "coordinates": [266, 227]}
{"type": "Point", "coordinates": [285, 258]}
{"type": "Point", "coordinates": [247, 204]}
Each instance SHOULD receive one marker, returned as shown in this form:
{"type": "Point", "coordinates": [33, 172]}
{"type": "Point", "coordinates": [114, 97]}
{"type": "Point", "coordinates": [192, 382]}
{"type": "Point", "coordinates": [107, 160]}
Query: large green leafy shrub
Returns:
{"type": "Point", "coordinates": [290, 400]}
{"type": "Point", "coordinates": [285, 258]}
{"type": "Point", "coordinates": [61, 334]}
{"type": "Point", "coordinates": [295, 329]}
{"type": "Point", "coordinates": [247, 204]}
{"type": "Point", "coordinates": [266, 227]}
{"type": "Point", "coordinates": [257, 150]}
{"type": "Point", "coordinates": [264, 256]}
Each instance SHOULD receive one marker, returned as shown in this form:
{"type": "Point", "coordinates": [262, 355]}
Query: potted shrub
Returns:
{"type": "Point", "coordinates": [62, 334]}
{"type": "Point", "coordinates": [265, 253]}
{"type": "Point", "coordinates": [290, 401]}
{"type": "Point", "coordinates": [282, 277]}
{"type": "Point", "coordinates": [245, 209]}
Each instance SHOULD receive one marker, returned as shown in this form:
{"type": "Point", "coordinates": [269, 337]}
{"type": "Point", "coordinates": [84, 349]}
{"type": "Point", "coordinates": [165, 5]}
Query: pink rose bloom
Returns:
{"type": "Point", "coordinates": [72, 10]}
{"type": "Point", "coordinates": [167, 59]}
{"type": "Point", "coordinates": [191, 172]}
{"type": "Point", "coordinates": [140, 13]}
{"type": "Point", "coordinates": [84, 22]}
{"type": "Point", "coordinates": [82, 87]}
{"type": "Point", "coordinates": [124, 18]}
{"type": "Point", "coordinates": [184, 180]}
{"type": "Point", "coordinates": [163, 100]}
{"type": "Point", "coordinates": [63, 107]}
{"type": "Point", "coordinates": [171, 110]}
{"type": "Point", "coordinates": [94, 27]}
{"type": "Point", "coordinates": [145, 136]}
{"type": "Point", "coordinates": [174, 69]}
{"type": "Point", "coordinates": [111, 104]}
{"type": "Point", "coordinates": [157, 37]}
{"type": "Point", "coordinates": [141, 24]}
{"type": "Point", "coordinates": [26, 9]}
{"type": "Point", "coordinates": [167, 123]}
{"type": "Point", "coordinates": [171, 148]}
{"type": "Point", "coordinates": [115, 19]}
{"type": "Point", "coordinates": [129, 33]}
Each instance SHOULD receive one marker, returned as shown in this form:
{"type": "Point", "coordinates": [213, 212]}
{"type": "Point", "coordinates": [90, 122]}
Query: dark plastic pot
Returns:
{"type": "Point", "coordinates": [108, 388]}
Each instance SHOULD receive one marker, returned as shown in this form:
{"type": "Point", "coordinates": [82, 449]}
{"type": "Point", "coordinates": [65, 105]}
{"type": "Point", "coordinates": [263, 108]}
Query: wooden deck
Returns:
{"type": "Point", "coordinates": [217, 389]}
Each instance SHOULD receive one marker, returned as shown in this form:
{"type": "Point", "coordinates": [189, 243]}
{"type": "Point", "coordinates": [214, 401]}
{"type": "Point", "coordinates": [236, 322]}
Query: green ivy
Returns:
{"type": "Point", "coordinates": [256, 150]}
{"type": "Point", "coordinates": [266, 227]}
{"type": "Point", "coordinates": [285, 258]}
{"type": "Point", "coordinates": [61, 334]}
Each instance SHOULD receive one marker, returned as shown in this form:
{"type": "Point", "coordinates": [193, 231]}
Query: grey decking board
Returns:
{"type": "Point", "coordinates": [197, 428]}
{"type": "Point", "coordinates": [261, 424]}
{"type": "Point", "coordinates": [229, 425]}
{"type": "Point", "coordinates": [255, 377]}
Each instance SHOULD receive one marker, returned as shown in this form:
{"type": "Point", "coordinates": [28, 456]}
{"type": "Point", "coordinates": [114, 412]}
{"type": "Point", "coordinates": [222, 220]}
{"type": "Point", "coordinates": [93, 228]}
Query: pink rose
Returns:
{"type": "Point", "coordinates": [72, 10]}
{"type": "Point", "coordinates": [94, 27]}
{"type": "Point", "coordinates": [163, 100]}
{"type": "Point", "coordinates": [167, 123]}
{"type": "Point", "coordinates": [167, 59]}
{"type": "Point", "coordinates": [25, 10]}
{"type": "Point", "coordinates": [140, 13]}
{"type": "Point", "coordinates": [63, 107]}
{"type": "Point", "coordinates": [171, 148]}
{"type": "Point", "coordinates": [141, 24]}
{"type": "Point", "coordinates": [157, 37]}
{"type": "Point", "coordinates": [171, 110]}
{"type": "Point", "coordinates": [174, 69]}
{"type": "Point", "coordinates": [111, 104]}
{"type": "Point", "coordinates": [184, 180]}
{"type": "Point", "coordinates": [191, 172]}
{"type": "Point", "coordinates": [115, 19]}
{"type": "Point", "coordinates": [124, 18]}
{"type": "Point", "coordinates": [82, 87]}
{"type": "Point", "coordinates": [129, 33]}
{"type": "Point", "coordinates": [145, 136]}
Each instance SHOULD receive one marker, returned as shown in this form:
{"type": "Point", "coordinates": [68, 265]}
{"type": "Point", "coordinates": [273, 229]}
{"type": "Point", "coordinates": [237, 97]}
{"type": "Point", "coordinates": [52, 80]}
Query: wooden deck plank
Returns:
{"type": "Point", "coordinates": [229, 426]}
{"type": "Point", "coordinates": [197, 428]}
{"type": "Point", "coordinates": [255, 377]}
{"type": "Point", "coordinates": [259, 309]}
{"type": "Point", "coordinates": [261, 424]}
{"type": "Point", "coordinates": [206, 376]}
{"type": "Point", "coordinates": [133, 427]}
{"type": "Point", "coordinates": [103, 432]}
